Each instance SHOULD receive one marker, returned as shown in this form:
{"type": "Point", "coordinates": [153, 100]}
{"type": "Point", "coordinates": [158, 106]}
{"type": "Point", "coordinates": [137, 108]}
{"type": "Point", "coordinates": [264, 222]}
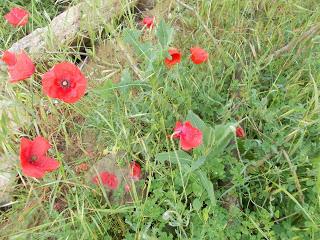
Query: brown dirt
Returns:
{"type": "Point", "coordinates": [108, 63]}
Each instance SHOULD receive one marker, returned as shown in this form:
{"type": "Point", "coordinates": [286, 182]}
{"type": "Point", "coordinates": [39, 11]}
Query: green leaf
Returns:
{"type": "Point", "coordinates": [197, 164]}
{"type": "Point", "coordinates": [174, 157]}
{"type": "Point", "coordinates": [105, 89]}
{"type": "Point", "coordinates": [316, 162]}
{"type": "Point", "coordinates": [208, 186]}
{"type": "Point", "coordinates": [197, 204]}
{"type": "Point", "coordinates": [164, 34]}
{"type": "Point", "coordinates": [214, 139]}
{"type": "Point", "coordinates": [223, 134]}
{"type": "Point", "coordinates": [132, 37]}
{"type": "Point", "coordinates": [125, 81]}
{"type": "Point", "coordinates": [196, 121]}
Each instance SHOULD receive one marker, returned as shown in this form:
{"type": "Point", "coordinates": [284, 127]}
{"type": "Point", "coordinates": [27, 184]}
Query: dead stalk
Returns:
{"type": "Point", "coordinates": [295, 176]}
{"type": "Point", "coordinates": [294, 42]}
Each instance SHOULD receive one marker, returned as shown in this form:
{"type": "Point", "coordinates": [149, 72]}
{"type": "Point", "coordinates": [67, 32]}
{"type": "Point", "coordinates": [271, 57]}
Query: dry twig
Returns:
{"type": "Point", "coordinates": [295, 176]}
{"type": "Point", "coordinates": [294, 42]}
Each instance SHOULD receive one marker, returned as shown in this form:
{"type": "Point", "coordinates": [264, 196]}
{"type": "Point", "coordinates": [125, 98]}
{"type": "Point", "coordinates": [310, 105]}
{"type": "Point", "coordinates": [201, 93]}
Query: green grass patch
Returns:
{"type": "Point", "coordinates": [264, 186]}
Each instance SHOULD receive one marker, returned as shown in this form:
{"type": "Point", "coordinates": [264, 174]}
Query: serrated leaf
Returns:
{"type": "Point", "coordinates": [164, 34]}
{"type": "Point", "coordinates": [131, 37]}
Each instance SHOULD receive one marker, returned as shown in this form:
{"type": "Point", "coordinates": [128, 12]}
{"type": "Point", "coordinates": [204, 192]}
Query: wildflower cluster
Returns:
{"type": "Point", "coordinates": [66, 82]}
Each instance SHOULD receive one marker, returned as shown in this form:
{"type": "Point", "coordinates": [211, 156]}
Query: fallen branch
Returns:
{"type": "Point", "coordinates": [63, 29]}
{"type": "Point", "coordinates": [294, 42]}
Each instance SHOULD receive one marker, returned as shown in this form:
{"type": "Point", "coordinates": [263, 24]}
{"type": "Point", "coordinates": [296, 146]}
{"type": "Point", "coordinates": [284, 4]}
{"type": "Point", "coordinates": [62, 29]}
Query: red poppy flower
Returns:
{"type": "Point", "coordinates": [198, 55]}
{"type": "Point", "coordinates": [33, 157]}
{"type": "Point", "coordinates": [20, 66]}
{"type": "Point", "coordinates": [17, 17]}
{"type": "Point", "coordinates": [240, 132]}
{"type": "Point", "coordinates": [135, 170]}
{"type": "Point", "coordinates": [175, 57]}
{"type": "Point", "coordinates": [64, 81]}
{"type": "Point", "coordinates": [148, 22]}
{"type": "Point", "coordinates": [107, 179]}
{"type": "Point", "coordinates": [190, 137]}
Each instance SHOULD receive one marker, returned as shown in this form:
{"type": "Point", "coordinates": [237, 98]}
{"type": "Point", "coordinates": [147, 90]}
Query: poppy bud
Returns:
{"type": "Point", "coordinates": [240, 132]}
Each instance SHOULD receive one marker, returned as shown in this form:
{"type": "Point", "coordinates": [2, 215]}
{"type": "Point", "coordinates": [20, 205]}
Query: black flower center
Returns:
{"type": "Point", "coordinates": [33, 158]}
{"type": "Point", "coordinates": [65, 83]}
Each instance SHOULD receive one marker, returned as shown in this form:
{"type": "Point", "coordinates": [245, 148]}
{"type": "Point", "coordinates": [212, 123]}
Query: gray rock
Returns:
{"type": "Point", "coordinates": [89, 14]}
{"type": "Point", "coordinates": [12, 116]}
{"type": "Point", "coordinates": [7, 176]}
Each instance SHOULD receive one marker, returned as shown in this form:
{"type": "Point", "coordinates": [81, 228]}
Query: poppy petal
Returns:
{"type": "Point", "coordinates": [191, 141]}
{"type": "Point", "coordinates": [175, 57]}
{"type": "Point", "coordinates": [240, 132]}
{"type": "Point", "coordinates": [190, 137]}
{"type": "Point", "coordinates": [135, 171]}
{"type": "Point", "coordinates": [17, 17]}
{"type": "Point", "coordinates": [32, 171]}
{"type": "Point", "coordinates": [40, 146]}
{"type": "Point", "coordinates": [48, 84]}
{"type": "Point", "coordinates": [20, 69]}
{"type": "Point", "coordinates": [66, 70]}
{"type": "Point", "coordinates": [185, 144]}
{"type": "Point", "coordinates": [148, 22]}
{"type": "Point", "coordinates": [112, 181]}
{"type": "Point", "coordinates": [74, 95]}
{"type": "Point", "coordinates": [198, 55]}
{"type": "Point", "coordinates": [49, 164]}
{"type": "Point", "coordinates": [33, 159]}
{"type": "Point", "coordinates": [25, 149]}
{"type": "Point", "coordinates": [64, 73]}
{"type": "Point", "coordinates": [9, 58]}
{"type": "Point", "coordinates": [107, 179]}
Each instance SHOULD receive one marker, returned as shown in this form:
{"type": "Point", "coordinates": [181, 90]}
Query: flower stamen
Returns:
{"type": "Point", "coordinates": [65, 83]}
{"type": "Point", "coordinates": [33, 159]}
